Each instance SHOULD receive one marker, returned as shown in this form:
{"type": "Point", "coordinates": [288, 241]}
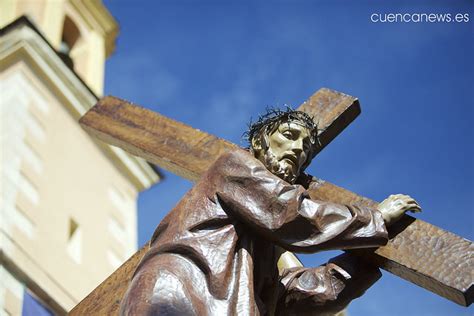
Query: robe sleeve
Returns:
{"type": "Point", "coordinates": [284, 213]}
{"type": "Point", "coordinates": [325, 290]}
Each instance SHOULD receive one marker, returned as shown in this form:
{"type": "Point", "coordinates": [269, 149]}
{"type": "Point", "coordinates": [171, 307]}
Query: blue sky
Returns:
{"type": "Point", "coordinates": [213, 65]}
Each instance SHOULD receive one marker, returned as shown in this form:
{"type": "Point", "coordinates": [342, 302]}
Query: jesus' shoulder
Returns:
{"type": "Point", "coordinates": [284, 214]}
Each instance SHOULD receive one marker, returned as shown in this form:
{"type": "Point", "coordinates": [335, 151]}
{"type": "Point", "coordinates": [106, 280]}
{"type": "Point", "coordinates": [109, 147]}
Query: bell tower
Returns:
{"type": "Point", "coordinates": [83, 32]}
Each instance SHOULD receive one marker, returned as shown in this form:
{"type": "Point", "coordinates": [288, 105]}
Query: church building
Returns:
{"type": "Point", "coordinates": [68, 203]}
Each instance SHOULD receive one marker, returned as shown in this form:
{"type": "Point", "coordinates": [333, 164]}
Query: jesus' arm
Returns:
{"type": "Point", "coordinates": [284, 213]}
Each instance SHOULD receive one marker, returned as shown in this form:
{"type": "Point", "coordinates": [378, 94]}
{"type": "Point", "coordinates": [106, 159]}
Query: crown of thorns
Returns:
{"type": "Point", "coordinates": [276, 116]}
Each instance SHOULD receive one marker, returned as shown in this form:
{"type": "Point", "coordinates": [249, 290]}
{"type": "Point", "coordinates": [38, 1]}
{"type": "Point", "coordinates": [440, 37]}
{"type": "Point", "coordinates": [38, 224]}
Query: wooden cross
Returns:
{"type": "Point", "coordinates": [421, 253]}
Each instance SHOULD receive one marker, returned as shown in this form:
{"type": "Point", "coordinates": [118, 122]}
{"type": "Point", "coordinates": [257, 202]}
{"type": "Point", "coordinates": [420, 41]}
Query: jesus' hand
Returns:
{"type": "Point", "coordinates": [393, 207]}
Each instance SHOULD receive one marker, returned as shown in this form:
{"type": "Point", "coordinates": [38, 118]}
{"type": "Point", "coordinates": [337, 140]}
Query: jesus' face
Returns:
{"type": "Point", "coordinates": [288, 148]}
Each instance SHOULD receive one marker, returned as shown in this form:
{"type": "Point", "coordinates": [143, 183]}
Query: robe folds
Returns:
{"type": "Point", "coordinates": [216, 252]}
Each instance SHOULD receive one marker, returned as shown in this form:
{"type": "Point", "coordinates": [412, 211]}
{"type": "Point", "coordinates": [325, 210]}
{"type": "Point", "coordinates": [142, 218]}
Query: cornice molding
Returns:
{"type": "Point", "coordinates": [22, 42]}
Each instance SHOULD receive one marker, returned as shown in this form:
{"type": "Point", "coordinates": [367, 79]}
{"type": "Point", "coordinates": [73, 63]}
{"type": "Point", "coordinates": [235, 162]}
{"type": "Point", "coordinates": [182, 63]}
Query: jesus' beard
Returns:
{"type": "Point", "coordinates": [281, 169]}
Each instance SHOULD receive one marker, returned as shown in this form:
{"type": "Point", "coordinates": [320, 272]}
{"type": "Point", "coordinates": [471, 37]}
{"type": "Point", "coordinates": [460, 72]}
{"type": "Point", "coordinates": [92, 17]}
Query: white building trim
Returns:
{"type": "Point", "coordinates": [11, 284]}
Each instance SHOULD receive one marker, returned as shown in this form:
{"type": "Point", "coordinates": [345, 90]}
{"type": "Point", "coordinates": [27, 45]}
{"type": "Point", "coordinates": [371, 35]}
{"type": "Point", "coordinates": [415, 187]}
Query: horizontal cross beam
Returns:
{"type": "Point", "coordinates": [418, 252]}
{"type": "Point", "coordinates": [186, 151]}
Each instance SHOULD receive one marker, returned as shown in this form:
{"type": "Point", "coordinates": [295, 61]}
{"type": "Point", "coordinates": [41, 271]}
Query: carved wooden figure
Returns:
{"type": "Point", "coordinates": [188, 152]}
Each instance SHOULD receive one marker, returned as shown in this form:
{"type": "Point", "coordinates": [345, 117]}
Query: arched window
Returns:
{"type": "Point", "coordinates": [69, 38]}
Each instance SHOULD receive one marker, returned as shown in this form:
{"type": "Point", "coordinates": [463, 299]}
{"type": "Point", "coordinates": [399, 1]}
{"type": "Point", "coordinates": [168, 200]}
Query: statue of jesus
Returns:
{"type": "Point", "coordinates": [216, 252]}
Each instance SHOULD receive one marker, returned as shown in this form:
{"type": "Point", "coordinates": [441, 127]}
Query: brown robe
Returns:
{"type": "Point", "coordinates": [216, 252]}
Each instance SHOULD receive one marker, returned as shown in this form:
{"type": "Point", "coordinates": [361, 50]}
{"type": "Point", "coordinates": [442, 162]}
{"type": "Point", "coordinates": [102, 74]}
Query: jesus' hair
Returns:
{"type": "Point", "coordinates": [269, 122]}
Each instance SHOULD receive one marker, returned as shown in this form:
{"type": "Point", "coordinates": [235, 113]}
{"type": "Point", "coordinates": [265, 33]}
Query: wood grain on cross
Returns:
{"type": "Point", "coordinates": [418, 252]}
